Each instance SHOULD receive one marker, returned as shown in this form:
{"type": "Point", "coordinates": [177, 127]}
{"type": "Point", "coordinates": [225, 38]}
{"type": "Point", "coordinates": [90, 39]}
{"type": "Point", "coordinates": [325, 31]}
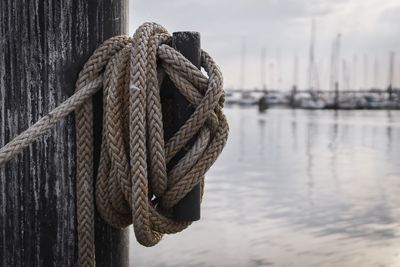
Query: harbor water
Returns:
{"type": "Point", "coordinates": [296, 188]}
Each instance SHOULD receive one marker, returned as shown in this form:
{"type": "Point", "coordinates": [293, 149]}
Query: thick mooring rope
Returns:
{"type": "Point", "coordinates": [133, 184]}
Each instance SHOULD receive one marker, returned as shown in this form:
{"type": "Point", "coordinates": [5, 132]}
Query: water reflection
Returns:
{"type": "Point", "coordinates": [311, 135]}
{"type": "Point", "coordinates": [261, 127]}
{"type": "Point", "coordinates": [294, 130]}
{"type": "Point", "coordinates": [296, 188]}
{"type": "Point", "coordinates": [389, 129]}
{"type": "Point", "coordinates": [333, 148]}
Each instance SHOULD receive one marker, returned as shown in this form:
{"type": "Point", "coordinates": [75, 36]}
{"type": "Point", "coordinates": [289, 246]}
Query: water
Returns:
{"type": "Point", "coordinates": [296, 188]}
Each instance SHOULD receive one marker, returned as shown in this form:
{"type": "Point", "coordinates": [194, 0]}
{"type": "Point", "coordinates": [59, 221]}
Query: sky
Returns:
{"type": "Point", "coordinates": [369, 30]}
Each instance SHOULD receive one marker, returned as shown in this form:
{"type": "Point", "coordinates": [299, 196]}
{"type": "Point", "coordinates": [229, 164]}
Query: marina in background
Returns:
{"type": "Point", "coordinates": [342, 92]}
{"type": "Point", "coordinates": [318, 99]}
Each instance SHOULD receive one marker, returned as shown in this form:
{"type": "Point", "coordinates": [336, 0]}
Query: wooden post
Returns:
{"type": "Point", "coordinates": [43, 45]}
{"type": "Point", "coordinates": [188, 44]}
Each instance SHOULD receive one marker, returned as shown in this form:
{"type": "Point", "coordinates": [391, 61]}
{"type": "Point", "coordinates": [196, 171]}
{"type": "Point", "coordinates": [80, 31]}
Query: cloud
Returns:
{"type": "Point", "coordinates": [282, 27]}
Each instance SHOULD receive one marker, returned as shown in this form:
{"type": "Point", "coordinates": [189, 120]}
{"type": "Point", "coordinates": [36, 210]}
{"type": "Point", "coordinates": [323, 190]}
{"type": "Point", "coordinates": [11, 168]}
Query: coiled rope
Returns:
{"type": "Point", "coordinates": [133, 184]}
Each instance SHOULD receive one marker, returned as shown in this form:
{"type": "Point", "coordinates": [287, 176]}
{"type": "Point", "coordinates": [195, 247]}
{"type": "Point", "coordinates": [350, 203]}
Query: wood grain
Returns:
{"type": "Point", "coordinates": [43, 44]}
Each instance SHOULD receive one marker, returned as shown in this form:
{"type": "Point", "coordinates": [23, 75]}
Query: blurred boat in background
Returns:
{"type": "Point", "coordinates": [371, 99]}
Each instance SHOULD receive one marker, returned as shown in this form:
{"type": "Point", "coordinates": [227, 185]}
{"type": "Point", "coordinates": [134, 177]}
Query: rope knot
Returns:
{"type": "Point", "coordinates": [133, 183]}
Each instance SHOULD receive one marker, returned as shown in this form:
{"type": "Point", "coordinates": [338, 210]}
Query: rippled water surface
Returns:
{"type": "Point", "coordinates": [296, 188]}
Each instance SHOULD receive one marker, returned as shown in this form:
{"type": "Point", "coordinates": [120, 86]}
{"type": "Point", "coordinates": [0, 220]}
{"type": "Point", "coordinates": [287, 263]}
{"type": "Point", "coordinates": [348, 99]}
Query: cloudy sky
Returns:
{"type": "Point", "coordinates": [369, 30]}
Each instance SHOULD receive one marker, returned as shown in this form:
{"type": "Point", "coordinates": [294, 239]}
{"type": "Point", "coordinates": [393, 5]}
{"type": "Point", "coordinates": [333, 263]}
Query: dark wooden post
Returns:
{"type": "Point", "coordinates": [43, 45]}
{"type": "Point", "coordinates": [188, 44]}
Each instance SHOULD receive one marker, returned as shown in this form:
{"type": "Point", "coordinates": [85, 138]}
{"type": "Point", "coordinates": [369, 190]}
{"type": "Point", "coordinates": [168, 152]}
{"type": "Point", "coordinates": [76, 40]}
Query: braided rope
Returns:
{"type": "Point", "coordinates": [133, 185]}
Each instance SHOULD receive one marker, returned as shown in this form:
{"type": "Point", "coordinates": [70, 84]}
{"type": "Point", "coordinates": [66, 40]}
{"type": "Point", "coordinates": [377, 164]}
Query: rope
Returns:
{"type": "Point", "coordinates": [133, 185]}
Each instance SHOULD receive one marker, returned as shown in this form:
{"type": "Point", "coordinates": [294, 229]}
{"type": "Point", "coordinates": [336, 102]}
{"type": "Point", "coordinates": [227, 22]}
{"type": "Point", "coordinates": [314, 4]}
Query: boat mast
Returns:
{"type": "Point", "coordinates": [272, 76]}
{"type": "Point", "coordinates": [295, 70]}
{"type": "Point", "coordinates": [242, 64]}
{"type": "Point", "coordinates": [376, 73]}
{"type": "Point", "coordinates": [345, 75]}
{"type": "Point", "coordinates": [366, 68]}
{"type": "Point", "coordinates": [335, 63]}
{"type": "Point", "coordinates": [312, 68]}
{"type": "Point", "coordinates": [263, 62]}
{"type": "Point", "coordinates": [279, 69]}
{"type": "Point", "coordinates": [391, 74]}
{"type": "Point", "coordinates": [355, 73]}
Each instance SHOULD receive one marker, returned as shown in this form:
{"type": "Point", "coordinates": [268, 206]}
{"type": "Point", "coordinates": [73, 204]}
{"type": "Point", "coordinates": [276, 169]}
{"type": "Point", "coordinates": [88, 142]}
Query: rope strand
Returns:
{"type": "Point", "coordinates": [132, 183]}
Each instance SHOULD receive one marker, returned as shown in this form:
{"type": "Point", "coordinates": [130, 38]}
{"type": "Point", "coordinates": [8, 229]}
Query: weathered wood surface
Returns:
{"type": "Point", "coordinates": [43, 44]}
